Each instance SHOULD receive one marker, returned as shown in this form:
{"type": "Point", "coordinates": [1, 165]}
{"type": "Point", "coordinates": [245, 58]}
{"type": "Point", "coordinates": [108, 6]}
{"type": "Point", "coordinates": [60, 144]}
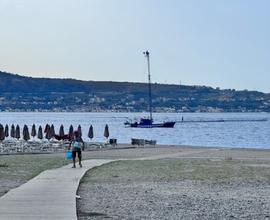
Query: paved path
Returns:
{"type": "Point", "coordinates": [50, 195]}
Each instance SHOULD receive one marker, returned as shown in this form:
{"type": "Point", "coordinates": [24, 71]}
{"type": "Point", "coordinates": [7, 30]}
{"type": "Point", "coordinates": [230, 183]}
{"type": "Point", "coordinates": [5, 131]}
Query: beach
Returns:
{"type": "Point", "coordinates": [178, 183]}
{"type": "Point", "coordinates": [160, 182]}
{"type": "Point", "coordinates": [135, 110]}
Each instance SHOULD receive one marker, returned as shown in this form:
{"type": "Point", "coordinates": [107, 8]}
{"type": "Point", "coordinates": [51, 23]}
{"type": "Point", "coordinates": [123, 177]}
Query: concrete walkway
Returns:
{"type": "Point", "coordinates": [50, 195]}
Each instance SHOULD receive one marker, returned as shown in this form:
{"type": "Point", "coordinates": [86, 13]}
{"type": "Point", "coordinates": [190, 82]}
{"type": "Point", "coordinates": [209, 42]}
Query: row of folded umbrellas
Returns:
{"type": "Point", "coordinates": [49, 132]}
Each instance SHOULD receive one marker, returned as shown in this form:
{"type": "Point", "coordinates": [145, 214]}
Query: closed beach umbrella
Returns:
{"type": "Point", "coordinates": [47, 127]}
{"type": "Point", "coordinates": [40, 134]}
{"type": "Point", "coordinates": [70, 132]}
{"type": "Point", "coordinates": [48, 133]}
{"type": "Point", "coordinates": [33, 131]}
{"type": "Point", "coordinates": [26, 135]}
{"type": "Point", "coordinates": [2, 133]}
{"type": "Point", "coordinates": [12, 132]}
{"type": "Point", "coordinates": [91, 132]}
{"type": "Point", "coordinates": [61, 131]}
{"type": "Point", "coordinates": [52, 131]}
{"type": "Point", "coordinates": [6, 131]}
{"type": "Point", "coordinates": [80, 131]}
{"type": "Point", "coordinates": [106, 131]}
{"type": "Point", "coordinates": [17, 132]}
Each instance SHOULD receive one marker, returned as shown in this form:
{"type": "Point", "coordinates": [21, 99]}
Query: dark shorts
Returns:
{"type": "Point", "coordinates": [79, 152]}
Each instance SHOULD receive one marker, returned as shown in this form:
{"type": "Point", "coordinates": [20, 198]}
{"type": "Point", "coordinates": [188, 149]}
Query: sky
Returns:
{"type": "Point", "coordinates": [217, 43]}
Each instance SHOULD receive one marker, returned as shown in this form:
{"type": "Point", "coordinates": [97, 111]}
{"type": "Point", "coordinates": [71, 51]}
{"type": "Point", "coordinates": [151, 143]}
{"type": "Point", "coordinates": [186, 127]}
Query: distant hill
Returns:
{"type": "Point", "coordinates": [21, 93]}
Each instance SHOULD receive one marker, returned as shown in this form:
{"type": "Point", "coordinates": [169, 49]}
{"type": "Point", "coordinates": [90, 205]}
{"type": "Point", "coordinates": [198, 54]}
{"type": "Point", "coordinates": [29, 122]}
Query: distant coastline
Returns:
{"type": "Point", "coordinates": [24, 94]}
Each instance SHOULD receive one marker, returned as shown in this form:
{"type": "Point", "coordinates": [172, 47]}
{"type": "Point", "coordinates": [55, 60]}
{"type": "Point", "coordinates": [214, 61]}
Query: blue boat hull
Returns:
{"type": "Point", "coordinates": [152, 125]}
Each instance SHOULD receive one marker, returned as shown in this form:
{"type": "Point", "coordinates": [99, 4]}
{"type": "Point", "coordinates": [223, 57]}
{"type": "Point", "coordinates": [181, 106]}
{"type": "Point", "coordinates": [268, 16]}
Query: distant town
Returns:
{"type": "Point", "coordinates": [20, 93]}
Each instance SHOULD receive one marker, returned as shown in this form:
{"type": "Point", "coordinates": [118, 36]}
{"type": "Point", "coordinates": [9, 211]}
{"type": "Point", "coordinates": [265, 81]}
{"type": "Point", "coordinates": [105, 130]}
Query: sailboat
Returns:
{"type": "Point", "coordinates": [149, 122]}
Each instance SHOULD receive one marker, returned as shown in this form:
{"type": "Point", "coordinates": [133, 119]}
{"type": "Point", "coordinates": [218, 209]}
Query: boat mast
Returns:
{"type": "Point", "coordinates": [147, 55]}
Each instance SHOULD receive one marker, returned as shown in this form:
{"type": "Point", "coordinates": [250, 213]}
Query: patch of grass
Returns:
{"type": "Point", "coordinates": [18, 169]}
{"type": "Point", "coordinates": [95, 170]}
{"type": "Point", "coordinates": [177, 170]}
{"type": "Point", "coordinates": [28, 166]}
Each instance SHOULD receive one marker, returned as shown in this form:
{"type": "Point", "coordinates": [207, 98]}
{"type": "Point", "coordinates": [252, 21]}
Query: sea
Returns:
{"type": "Point", "coordinates": [247, 130]}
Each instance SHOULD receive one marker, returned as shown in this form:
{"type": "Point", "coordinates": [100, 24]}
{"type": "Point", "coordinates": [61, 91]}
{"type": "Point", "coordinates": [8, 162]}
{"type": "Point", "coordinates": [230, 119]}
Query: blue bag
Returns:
{"type": "Point", "coordinates": [69, 154]}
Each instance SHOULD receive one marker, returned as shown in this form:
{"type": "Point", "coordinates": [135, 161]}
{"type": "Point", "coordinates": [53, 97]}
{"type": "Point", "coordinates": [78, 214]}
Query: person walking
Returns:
{"type": "Point", "coordinates": [76, 146]}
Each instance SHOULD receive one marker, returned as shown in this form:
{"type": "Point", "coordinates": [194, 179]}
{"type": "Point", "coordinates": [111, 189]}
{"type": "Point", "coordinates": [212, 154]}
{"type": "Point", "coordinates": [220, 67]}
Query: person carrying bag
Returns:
{"type": "Point", "coordinates": [77, 147]}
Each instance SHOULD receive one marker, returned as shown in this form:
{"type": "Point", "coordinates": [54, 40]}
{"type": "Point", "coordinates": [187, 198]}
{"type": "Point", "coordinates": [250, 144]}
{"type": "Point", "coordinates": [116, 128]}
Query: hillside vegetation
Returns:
{"type": "Point", "coordinates": [21, 93]}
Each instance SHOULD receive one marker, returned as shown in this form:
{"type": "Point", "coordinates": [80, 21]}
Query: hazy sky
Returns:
{"type": "Point", "coordinates": [219, 43]}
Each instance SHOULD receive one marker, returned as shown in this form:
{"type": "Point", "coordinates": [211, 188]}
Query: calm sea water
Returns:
{"type": "Point", "coordinates": [231, 133]}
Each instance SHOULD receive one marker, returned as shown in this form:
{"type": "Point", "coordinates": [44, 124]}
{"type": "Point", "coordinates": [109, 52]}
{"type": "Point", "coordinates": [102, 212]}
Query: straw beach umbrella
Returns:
{"type": "Point", "coordinates": [106, 131]}
{"type": "Point", "coordinates": [17, 132]}
{"type": "Point", "coordinates": [6, 131]}
{"type": "Point", "coordinates": [26, 135]}
{"type": "Point", "coordinates": [40, 134]}
{"type": "Point", "coordinates": [61, 131]}
{"type": "Point", "coordinates": [2, 133]}
{"type": "Point", "coordinates": [12, 132]}
{"type": "Point", "coordinates": [33, 131]}
{"type": "Point", "coordinates": [91, 132]}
